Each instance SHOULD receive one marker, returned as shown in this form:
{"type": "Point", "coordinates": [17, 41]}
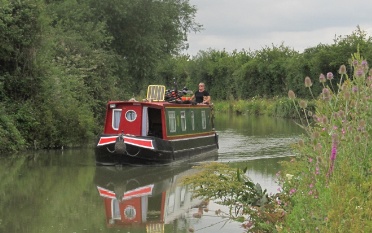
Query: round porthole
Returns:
{"type": "Point", "coordinates": [130, 212]}
{"type": "Point", "coordinates": [130, 115]}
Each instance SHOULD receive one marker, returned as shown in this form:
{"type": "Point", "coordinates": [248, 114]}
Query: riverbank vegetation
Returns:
{"type": "Point", "coordinates": [327, 186]}
{"type": "Point", "coordinates": [61, 61]}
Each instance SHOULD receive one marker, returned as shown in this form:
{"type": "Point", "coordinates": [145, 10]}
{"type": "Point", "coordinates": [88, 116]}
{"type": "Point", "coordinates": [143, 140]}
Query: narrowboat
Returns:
{"type": "Point", "coordinates": [161, 129]}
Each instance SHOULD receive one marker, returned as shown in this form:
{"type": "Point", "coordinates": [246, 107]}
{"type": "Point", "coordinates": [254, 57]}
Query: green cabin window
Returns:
{"type": "Point", "coordinates": [204, 120]}
{"type": "Point", "coordinates": [172, 121]}
{"type": "Point", "coordinates": [116, 114]}
{"type": "Point", "coordinates": [183, 121]}
{"type": "Point", "coordinates": [192, 120]}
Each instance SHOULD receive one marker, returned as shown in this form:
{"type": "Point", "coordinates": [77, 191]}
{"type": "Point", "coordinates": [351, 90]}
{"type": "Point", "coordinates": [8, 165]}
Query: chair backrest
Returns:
{"type": "Point", "coordinates": [155, 92]}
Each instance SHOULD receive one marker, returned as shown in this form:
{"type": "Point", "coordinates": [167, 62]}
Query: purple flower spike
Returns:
{"type": "Point", "coordinates": [333, 153]}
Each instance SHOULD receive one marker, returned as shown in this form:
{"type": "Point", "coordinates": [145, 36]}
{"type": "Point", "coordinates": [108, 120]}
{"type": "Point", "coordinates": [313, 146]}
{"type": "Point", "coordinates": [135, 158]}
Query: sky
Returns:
{"type": "Point", "coordinates": [255, 24]}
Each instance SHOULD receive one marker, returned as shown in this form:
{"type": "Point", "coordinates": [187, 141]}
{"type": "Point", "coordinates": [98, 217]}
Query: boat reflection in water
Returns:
{"type": "Point", "coordinates": [147, 197]}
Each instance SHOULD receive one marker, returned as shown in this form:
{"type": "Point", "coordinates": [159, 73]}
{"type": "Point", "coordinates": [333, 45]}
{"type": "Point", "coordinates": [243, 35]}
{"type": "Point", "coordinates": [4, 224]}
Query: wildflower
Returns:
{"type": "Point", "coordinates": [291, 94]}
{"type": "Point", "coordinates": [359, 73]}
{"type": "Point", "coordinates": [310, 160]}
{"type": "Point", "coordinates": [333, 153]}
{"type": "Point", "coordinates": [308, 82]}
{"type": "Point", "coordinates": [329, 75]}
{"type": "Point", "coordinates": [332, 158]}
{"type": "Point", "coordinates": [303, 104]}
{"type": "Point", "coordinates": [292, 191]}
{"type": "Point", "coordinates": [289, 176]}
{"type": "Point", "coordinates": [326, 94]}
{"type": "Point", "coordinates": [364, 65]}
{"type": "Point", "coordinates": [354, 89]}
{"type": "Point", "coordinates": [322, 78]}
{"type": "Point", "coordinates": [315, 135]}
{"type": "Point", "coordinates": [342, 69]}
{"type": "Point", "coordinates": [325, 120]}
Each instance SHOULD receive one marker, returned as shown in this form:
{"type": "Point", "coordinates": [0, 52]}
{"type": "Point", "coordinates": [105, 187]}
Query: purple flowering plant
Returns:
{"type": "Point", "coordinates": [333, 166]}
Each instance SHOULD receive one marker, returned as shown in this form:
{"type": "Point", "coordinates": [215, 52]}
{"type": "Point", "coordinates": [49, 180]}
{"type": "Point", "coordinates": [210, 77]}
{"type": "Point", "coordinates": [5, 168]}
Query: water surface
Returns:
{"type": "Point", "coordinates": [61, 191]}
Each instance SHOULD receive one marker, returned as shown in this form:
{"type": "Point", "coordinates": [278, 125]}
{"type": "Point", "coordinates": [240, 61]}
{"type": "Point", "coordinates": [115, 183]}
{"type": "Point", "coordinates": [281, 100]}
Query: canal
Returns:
{"type": "Point", "coordinates": [63, 191]}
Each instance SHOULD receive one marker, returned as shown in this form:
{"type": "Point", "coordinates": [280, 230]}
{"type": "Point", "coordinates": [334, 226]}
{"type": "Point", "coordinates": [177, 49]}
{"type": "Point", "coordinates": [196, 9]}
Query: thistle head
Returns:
{"type": "Point", "coordinates": [303, 104]}
{"type": "Point", "coordinates": [291, 95]}
{"type": "Point", "coordinates": [342, 69]}
{"type": "Point", "coordinates": [322, 78]}
{"type": "Point", "coordinates": [359, 73]}
{"type": "Point", "coordinates": [326, 94]}
{"type": "Point", "coordinates": [308, 82]}
{"type": "Point", "coordinates": [329, 75]}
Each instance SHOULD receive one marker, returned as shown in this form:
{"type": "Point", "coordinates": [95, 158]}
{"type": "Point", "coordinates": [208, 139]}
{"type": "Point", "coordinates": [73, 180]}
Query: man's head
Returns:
{"type": "Point", "coordinates": [201, 86]}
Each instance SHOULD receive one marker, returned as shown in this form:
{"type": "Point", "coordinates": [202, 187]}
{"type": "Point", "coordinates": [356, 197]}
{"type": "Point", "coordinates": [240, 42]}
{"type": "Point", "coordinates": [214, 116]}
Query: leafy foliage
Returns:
{"type": "Point", "coordinates": [61, 61]}
{"type": "Point", "coordinates": [248, 203]}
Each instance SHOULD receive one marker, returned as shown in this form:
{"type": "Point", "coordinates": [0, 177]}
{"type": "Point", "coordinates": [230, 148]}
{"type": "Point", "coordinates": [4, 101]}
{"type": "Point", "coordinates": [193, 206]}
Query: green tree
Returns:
{"type": "Point", "coordinates": [147, 31]}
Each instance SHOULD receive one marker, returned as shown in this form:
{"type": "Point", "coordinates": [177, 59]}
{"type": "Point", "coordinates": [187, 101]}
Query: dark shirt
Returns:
{"type": "Point", "coordinates": [199, 96]}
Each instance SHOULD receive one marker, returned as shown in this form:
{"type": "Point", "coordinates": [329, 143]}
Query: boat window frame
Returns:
{"type": "Point", "coordinates": [204, 120]}
{"type": "Point", "coordinates": [115, 209]}
{"type": "Point", "coordinates": [132, 115]}
{"type": "Point", "coordinates": [172, 121]}
{"type": "Point", "coordinates": [183, 120]}
{"type": "Point", "coordinates": [114, 118]}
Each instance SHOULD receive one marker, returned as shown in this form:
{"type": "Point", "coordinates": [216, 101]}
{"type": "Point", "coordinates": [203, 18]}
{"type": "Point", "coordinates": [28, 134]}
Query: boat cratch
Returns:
{"type": "Point", "coordinates": [163, 128]}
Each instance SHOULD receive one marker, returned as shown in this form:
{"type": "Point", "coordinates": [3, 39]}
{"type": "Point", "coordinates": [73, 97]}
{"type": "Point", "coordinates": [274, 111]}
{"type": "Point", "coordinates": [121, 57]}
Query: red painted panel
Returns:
{"type": "Point", "coordinates": [134, 203]}
{"type": "Point", "coordinates": [106, 140]}
{"type": "Point", "coordinates": [131, 127]}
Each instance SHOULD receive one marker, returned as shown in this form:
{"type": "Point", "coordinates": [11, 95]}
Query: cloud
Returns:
{"type": "Point", "coordinates": [299, 24]}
